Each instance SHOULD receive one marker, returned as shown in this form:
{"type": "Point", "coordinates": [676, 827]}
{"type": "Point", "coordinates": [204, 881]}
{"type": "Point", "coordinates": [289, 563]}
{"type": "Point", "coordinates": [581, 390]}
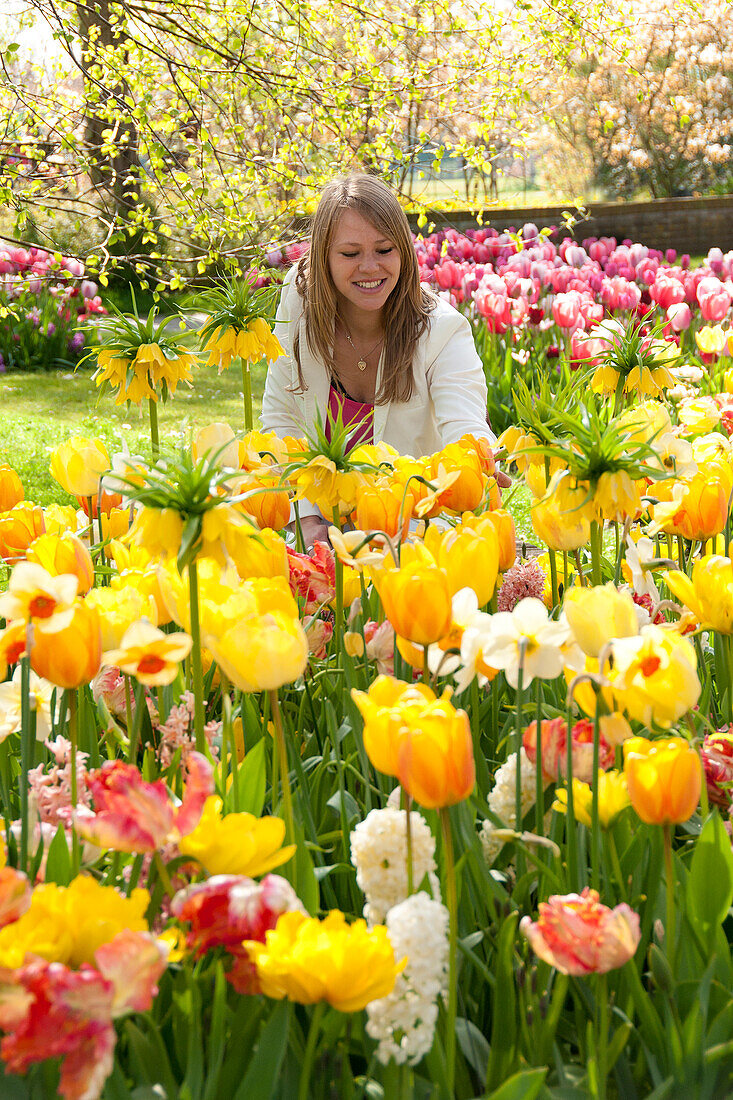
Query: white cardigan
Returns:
{"type": "Point", "coordinates": [449, 397]}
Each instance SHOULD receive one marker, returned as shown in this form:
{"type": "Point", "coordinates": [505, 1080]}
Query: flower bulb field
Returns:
{"type": "Point", "coordinates": [408, 814]}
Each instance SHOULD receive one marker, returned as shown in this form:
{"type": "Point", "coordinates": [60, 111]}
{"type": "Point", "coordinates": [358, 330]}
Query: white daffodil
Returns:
{"type": "Point", "coordinates": [11, 702]}
{"type": "Point", "coordinates": [638, 557]}
{"type": "Point", "coordinates": [35, 596]}
{"type": "Point", "coordinates": [525, 637]}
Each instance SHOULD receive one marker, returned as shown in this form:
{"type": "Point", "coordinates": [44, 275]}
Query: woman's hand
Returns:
{"type": "Point", "coordinates": [314, 528]}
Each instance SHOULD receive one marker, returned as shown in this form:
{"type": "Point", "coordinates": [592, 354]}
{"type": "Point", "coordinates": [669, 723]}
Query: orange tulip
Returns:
{"type": "Point", "coordinates": [386, 710]}
{"type": "Point", "coordinates": [697, 509]}
{"type": "Point", "coordinates": [483, 450]}
{"type": "Point", "coordinates": [108, 501]}
{"type": "Point", "coordinates": [268, 509]}
{"type": "Point", "coordinates": [378, 508]}
{"type": "Point", "coordinates": [18, 528]}
{"type": "Point", "coordinates": [504, 524]}
{"type": "Point", "coordinates": [469, 555]}
{"type": "Point", "coordinates": [664, 779]}
{"type": "Point", "coordinates": [71, 657]}
{"type": "Point", "coordinates": [11, 489]}
{"type": "Point", "coordinates": [435, 756]}
{"type": "Point", "coordinates": [63, 554]}
{"type": "Point", "coordinates": [467, 492]}
{"type": "Point", "coordinates": [416, 597]}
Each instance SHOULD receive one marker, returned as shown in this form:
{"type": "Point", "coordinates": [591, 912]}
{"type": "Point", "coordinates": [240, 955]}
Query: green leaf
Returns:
{"type": "Point", "coordinates": [710, 883]}
{"type": "Point", "coordinates": [261, 1078]}
{"type": "Point", "coordinates": [525, 1085]}
{"type": "Point", "coordinates": [251, 781]}
{"type": "Point", "coordinates": [474, 1045]}
{"type": "Point", "coordinates": [58, 868]}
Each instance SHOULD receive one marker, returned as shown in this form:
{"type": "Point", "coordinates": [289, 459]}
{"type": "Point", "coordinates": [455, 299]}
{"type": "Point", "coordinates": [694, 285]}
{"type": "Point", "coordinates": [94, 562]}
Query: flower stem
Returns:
{"type": "Point", "coordinates": [73, 740]}
{"type": "Point", "coordinates": [282, 755]}
{"type": "Point", "coordinates": [539, 785]}
{"type": "Point", "coordinates": [306, 1071]}
{"type": "Point", "coordinates": [601, 1021]}
{"type": "Point", "coordinates": [669, 877]}
{"type": "Point", "coordinates": [154, 437]}
{"type": "Point", "coordinates": [26, 747]}
{"type": "Point", "coordinates": [247, 395]}
{"type": "Point", "coordinates": [452, 902]}
{"type": "Point", "coordinates": [408, 839]}
{"type": "Point", "coordinates": [163, 875]}
{"type": "Point", "coordinates": [595, 824]}
{"type": "Point", "coordinates": [518, 816]}
{"type": "Point", "coordinates": [596, 550]}
{"type": "Point", "coordinates": [338, 625]}
{"type": "Point", "coordinates": [196, 667]}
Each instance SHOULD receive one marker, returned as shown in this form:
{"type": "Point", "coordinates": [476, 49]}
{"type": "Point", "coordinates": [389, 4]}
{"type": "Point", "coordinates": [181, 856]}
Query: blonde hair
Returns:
{"type": "Point", "coordinates": [406, 311]}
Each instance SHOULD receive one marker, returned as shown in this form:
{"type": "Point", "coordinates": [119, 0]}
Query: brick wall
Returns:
{"type": "Point", "coordinates": [688, 225]}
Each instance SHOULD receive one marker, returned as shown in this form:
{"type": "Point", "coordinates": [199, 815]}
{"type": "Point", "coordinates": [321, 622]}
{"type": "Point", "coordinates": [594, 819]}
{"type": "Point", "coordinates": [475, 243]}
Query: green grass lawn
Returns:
{"type": "Point", "coordinates": [39, 411]}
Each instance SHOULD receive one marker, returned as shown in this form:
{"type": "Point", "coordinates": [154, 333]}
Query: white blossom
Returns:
{"type": "Point", "coordinates": [403, 1023]}
{"type": "Point", "coordinates": [379, 853]}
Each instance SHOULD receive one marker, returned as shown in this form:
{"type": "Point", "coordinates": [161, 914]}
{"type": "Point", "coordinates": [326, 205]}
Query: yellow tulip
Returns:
{"type": "Point", "coordinates": [308, 960]}
{"type": "Point", "coordinates": [562, 518]}
{"type": "Point", "coordinates": [78, 465]}
{"type": "Point", "coordinates": [613, 798]}
{"type": "Point", "coordinates": [664, 779]}
{"type": "Point", "coordinates": [236, 844]}
{"type": "Point", "coordinates": [67, 924]}
{"type": "Point", "coordinates": [709, 595]}
{"type": "Point", "coordinates": [118, 608]}
{"type": "Point", "coordinates": [596, 615]}
{"type": "Point", "coordinates": [469, 555]}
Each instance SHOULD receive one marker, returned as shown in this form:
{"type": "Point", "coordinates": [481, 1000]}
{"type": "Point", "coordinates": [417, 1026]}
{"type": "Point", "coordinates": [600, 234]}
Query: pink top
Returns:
{"type": "Point", "coordinates": [358, 413]}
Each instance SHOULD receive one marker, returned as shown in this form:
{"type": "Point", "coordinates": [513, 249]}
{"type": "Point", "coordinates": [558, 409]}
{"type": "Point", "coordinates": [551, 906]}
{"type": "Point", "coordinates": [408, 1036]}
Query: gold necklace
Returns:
{"type": "Point", "coordinates": [362, 362]}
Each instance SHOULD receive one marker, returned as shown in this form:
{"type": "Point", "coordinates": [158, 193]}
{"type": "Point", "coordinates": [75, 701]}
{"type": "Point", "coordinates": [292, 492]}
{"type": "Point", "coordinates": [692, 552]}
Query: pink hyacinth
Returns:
{"type": "Point", "coordinates": [522, 580]}
{"type": "Point", "coordinates": [578, 935]}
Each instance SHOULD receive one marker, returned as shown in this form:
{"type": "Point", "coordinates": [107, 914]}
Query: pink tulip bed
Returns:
{"type": "Point", "coordinates": [407, 815]}
{"type": "Point", "coordinates": [45, 306]}
{"type": "Point", "coordinates": [534, 301]}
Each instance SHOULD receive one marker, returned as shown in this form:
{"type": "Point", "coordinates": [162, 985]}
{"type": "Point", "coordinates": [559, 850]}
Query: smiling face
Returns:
{"type": "Point", "coordinates": [364, 266]}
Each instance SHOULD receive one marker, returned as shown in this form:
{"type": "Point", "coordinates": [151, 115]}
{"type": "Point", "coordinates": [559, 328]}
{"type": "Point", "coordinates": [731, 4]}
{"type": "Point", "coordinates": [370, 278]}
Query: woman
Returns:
{"type": "Point", "coordinates": [362, 334]}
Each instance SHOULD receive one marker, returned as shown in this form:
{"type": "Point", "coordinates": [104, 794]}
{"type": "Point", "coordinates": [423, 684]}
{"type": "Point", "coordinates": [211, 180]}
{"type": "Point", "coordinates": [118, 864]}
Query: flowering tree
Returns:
{"type": "Point", "coordinates": [658, 114]}
{"type": "Point", "coordinates": [182, 134]}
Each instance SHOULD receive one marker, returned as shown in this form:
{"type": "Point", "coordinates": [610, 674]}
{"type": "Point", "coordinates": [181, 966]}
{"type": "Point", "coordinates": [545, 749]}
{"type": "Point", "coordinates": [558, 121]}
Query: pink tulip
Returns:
{"type": "Point", "coordinates": [714, 307]}
{"type": "Point", "coordinates": [134, 816]}
{"type": "Point", "coordinates": [666, 291]}
{"type": "Point", "coordinates": [566, 310]}
{"type": "Point", "coordinates": [554, 748]}
{"type": "Point", "coordinates": [578, 935]}
{"type": "Point", "coordinates": [679, 316]}
{"type": "Point", "coordinates": [227, 909]}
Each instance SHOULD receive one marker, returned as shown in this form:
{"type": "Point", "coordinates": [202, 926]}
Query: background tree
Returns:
{"type": "Point", "coordinates": [185, 134]}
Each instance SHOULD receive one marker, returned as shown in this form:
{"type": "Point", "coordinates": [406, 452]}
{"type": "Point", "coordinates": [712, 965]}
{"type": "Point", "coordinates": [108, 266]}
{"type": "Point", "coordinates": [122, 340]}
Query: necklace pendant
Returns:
{"type": "Point", "coordinates": [362, 364]}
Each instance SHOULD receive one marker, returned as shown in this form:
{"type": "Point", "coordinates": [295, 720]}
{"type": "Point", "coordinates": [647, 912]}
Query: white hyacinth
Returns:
{"type": "Point", "coordinates": [379, 853]}
{"type": "Point", "coordinates": [503, 801]}
{"type": "Point", "coordinates": [403, 1023]}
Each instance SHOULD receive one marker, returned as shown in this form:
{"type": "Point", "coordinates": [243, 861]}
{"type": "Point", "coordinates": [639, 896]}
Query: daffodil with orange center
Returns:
{"type": "Point", "coordinates": [654, 676]}
{"type": "Point", "coordinates": [34, 596]}
{"type": "Point", "coordinates": [149, 655]}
